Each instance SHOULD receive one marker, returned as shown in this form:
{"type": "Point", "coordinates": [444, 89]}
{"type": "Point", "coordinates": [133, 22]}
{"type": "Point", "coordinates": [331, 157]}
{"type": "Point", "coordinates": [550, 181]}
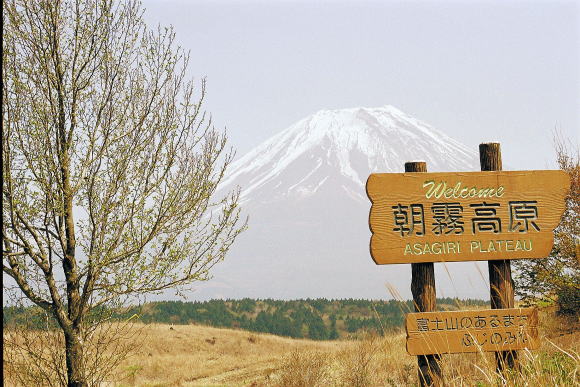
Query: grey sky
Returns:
{"type": "Point", "coordinates": [507, 71]}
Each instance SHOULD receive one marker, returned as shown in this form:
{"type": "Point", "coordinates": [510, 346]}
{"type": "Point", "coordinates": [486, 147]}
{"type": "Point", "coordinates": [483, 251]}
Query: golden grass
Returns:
{"type": "Point", "coordinates": [204, 356]}
{"type": "Point", "coordinates": [191, 355]}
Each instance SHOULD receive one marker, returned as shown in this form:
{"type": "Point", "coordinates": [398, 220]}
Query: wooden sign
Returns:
{"type": "Point", "coordinates": [464, 216]}
{"type": "Point", "coordinates": [472, 331]}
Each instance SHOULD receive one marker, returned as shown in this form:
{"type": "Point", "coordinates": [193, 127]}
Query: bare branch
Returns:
{"type": "Point", "coordinates": [110, 164]}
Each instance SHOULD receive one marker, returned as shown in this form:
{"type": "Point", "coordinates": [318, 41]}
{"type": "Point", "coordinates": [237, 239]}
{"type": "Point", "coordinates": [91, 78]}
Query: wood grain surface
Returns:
{"type": "Point", "coordinates": [472, 216]}
{"type": "Point", "coordinates": [501, 284]}
{"type": "Point", "coordinates": [424, 299]}
{"type": "Point", "coordinates": [472, 331]}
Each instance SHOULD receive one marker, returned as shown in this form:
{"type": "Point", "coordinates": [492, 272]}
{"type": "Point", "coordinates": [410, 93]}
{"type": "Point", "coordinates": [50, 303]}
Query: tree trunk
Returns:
{"type": "Point", "coordinates": [75, 364]}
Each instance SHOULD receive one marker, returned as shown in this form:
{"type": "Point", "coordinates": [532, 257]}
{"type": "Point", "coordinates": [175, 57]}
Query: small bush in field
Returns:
{"type": "Point", "coordinates": [303, 369]}
{"type": "Point", "coordinates": [356, 364]}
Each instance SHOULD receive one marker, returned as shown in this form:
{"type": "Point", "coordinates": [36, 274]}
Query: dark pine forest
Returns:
{"type": "Point", "coordinates": [316, 319]}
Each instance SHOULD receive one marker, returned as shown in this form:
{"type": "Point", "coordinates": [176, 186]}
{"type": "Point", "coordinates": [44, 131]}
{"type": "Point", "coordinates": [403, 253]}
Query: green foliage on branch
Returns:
{"type": "Point", "coordinates": [556, 280]}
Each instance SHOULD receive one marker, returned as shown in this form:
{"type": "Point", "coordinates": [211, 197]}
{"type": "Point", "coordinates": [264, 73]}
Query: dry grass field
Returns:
{"type": "Point", "coordinates": [204, 356]}
{"type": "Point", "coordinates": [190, 355]}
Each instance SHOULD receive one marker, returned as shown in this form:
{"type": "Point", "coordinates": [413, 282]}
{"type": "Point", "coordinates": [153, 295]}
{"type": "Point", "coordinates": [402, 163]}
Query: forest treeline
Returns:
{"type": "Point", "coordinates": [316, 319]}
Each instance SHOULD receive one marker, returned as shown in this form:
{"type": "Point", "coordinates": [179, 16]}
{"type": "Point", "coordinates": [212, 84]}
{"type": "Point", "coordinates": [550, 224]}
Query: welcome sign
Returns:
{"type": "Point", "coordinates": [464, 216]}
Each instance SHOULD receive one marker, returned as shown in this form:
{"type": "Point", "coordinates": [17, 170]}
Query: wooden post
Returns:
{"type": "Point", "coordinates": [423, 289]}
{"type": "Point", "coordinates": [501, 285]}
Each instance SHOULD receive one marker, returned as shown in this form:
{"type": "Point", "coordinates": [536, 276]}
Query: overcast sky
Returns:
{"type": "Point", "coordinates": [495, 70]}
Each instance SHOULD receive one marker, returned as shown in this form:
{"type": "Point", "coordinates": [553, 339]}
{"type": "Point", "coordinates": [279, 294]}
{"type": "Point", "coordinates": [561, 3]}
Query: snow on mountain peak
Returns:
{"type": "Point", "coordinates": [342, 147]}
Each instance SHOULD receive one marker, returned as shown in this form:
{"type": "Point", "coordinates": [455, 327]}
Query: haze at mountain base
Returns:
{"type": "Point", "coordinates": [304, 191]}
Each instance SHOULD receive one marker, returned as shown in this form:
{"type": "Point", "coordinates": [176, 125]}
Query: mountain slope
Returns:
{"type": "Point", "coordinates": [348, 142]}
{"type": "Point", "coordinates": [304, 191]}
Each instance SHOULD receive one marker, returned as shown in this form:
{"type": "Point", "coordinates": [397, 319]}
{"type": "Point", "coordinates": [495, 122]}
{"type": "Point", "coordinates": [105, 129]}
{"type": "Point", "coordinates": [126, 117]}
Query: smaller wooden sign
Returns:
{"type": "Point", "coordinates": [472, 331]}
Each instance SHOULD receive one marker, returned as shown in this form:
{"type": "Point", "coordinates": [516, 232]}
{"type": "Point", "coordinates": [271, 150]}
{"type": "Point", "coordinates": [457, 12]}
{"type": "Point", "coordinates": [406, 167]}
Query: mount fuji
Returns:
{"type": "Point", "coordinates": [304, 192]}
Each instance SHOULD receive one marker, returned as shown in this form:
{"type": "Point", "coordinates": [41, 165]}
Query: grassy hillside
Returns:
{"type": "Point", "coordinates": [316, 319]}
{"type": "Point", "coordinates": [193, 355]}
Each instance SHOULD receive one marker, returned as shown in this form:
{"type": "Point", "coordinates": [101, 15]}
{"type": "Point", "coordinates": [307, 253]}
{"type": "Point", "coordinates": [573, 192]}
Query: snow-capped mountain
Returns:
{"type": "Point", "coordinates": [304, 193]}
{"type": "Point", "coordinates": [350, 143]}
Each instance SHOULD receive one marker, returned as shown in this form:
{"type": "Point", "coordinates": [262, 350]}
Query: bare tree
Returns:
{"type": "Point", "coordinates": [109, 163]}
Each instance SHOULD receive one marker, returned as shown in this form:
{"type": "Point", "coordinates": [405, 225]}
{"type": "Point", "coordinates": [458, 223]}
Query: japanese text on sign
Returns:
{"type": "Point", "coordinates": [470, 331]}
{"type": "Point", "coordinates": [461, 216]}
